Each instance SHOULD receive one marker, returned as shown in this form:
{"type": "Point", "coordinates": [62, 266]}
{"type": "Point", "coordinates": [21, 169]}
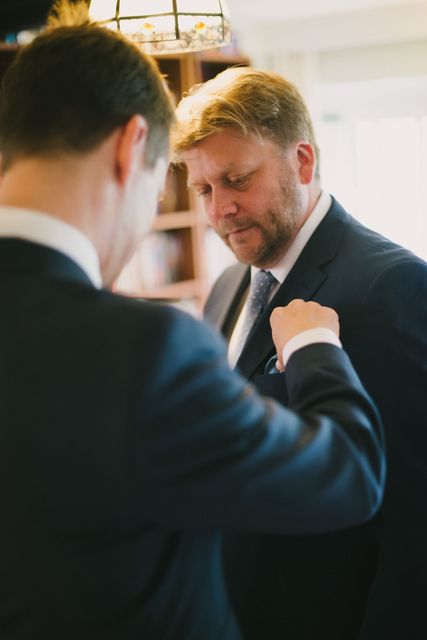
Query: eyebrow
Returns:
{"type": "Point", "coordinates": [224, 174]}
{"type": "Point", "coordinates": [192, 185]}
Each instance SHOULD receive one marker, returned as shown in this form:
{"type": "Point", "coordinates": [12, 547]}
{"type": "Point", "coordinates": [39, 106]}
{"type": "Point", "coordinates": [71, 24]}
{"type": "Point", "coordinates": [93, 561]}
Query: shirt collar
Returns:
{"type": "Point", "coordinates": [281, 270]}
{"type": "Point", "coordinates": [46, 230]}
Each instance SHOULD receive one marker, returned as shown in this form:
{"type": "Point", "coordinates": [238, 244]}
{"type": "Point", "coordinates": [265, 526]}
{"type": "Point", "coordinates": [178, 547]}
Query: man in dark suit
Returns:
{"type": "Point", "coordinates": [126, 441]}
{"type": "Point", "coordinates": [249, 146]}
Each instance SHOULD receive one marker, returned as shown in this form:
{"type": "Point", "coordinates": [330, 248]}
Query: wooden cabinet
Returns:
{"type": "Point", "coordinates": [171, 263]}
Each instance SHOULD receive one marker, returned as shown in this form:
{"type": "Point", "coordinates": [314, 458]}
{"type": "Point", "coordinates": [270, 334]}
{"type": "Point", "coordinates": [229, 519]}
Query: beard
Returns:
{"type": "Point", "coordinates": [276, 227]}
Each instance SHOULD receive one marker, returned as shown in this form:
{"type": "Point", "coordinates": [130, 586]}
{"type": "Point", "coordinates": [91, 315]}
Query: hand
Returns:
{"type": "Point", "coordinates": [298, 316]}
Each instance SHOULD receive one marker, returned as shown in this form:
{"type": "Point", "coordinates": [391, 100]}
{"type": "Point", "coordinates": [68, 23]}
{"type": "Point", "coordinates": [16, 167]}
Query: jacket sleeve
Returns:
{"type": "Point", "coordinates": [210, 452]}
{"type": "Point", "coordinates": [389, 349]}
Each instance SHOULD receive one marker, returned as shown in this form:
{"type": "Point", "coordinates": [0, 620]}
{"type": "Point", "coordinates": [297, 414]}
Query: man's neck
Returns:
{"type": "Point", "coordinates": [49, 185]}
{"type": "Point", "coordinates": [66, 189]}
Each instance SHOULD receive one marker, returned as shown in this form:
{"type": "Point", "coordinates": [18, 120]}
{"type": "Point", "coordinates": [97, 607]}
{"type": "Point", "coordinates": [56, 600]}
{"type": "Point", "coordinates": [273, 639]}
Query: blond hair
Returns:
{"type": "Point", "coordinates": [248, 100]}
{"type": "Point", "coordinates": [66, 14]}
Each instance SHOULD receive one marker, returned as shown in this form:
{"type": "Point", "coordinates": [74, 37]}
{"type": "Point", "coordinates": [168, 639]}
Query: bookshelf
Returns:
{"type": "Point", "coordinates": [171, 265]}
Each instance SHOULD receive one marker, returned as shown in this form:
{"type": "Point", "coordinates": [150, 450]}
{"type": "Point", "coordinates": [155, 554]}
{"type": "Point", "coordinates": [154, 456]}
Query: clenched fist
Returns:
{"type": "Point", "coordinates": [298, 316]}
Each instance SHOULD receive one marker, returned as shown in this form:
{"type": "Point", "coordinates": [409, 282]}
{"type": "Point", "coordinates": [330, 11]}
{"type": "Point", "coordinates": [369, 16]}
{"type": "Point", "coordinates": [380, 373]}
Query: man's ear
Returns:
{"type": "Point", "coordinates": [131, 144]}
{"type": "Point", "coordinates": [306, 158]}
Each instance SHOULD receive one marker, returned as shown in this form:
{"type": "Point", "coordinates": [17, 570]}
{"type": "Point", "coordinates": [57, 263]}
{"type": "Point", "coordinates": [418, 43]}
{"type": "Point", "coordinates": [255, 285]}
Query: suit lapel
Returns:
{"type": "Point", "coordinates": [305, 279]}
{"type": "Point", "coordinates": [225, 298]}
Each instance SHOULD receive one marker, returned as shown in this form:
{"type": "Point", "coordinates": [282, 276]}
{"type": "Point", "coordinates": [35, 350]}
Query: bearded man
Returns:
{"type": "Point", "coordinates": [248, 143]}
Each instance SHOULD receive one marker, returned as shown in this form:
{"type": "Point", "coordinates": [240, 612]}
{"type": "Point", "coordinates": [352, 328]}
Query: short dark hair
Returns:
{"type": "Point", "coordinates": [72, 86]}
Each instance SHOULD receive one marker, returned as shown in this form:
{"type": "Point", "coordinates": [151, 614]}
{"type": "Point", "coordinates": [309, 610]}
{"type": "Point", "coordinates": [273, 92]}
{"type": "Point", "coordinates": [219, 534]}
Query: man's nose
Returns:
{"type": "Point", "coordinates": [222, 204]}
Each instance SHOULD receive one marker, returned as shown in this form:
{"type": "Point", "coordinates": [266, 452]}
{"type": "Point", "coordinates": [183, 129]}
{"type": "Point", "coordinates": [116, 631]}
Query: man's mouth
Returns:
{"type": "Point", "coordinates": [235, 233]}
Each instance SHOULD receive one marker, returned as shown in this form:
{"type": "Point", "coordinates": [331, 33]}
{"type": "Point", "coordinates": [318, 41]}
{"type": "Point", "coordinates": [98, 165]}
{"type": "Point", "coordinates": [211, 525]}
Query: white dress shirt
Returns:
{"type": "Point", "coordinates": [38, 227]}
{"type": "Point", "coordinates": [280, 271]}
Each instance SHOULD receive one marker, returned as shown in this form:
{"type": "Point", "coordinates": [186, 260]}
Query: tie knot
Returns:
{"type": "Point", "coordinates": [261, 286]}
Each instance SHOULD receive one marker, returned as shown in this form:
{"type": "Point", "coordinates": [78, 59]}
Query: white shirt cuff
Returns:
{"type": "Point", "coordinates": [310, 336]}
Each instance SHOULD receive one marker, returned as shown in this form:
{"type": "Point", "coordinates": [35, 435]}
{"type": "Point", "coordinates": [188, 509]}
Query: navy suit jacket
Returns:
{"type": "Point", "coordinates": [126, 444]}
{"type": "Point", "coordinates": [323, 587]}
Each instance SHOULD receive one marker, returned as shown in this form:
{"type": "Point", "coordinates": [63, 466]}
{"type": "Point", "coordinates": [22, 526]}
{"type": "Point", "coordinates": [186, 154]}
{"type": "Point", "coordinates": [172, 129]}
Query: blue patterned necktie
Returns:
{"type": "Point", "coordinates": [259, 293]}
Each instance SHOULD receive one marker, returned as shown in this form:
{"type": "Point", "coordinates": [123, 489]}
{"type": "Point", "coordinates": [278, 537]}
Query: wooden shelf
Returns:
{"type": "Point", "coordinates": [174, 220]}
{"type": "Point", "coordinates": [175, 291]}
{"type": "Point", "coordinates": [224, 57]}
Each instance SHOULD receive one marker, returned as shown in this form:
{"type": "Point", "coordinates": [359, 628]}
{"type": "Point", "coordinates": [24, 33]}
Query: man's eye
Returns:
{"type": "Point", "coordinates": [239, 182]}
{"type": "Point", "coordinates": [203, 193]}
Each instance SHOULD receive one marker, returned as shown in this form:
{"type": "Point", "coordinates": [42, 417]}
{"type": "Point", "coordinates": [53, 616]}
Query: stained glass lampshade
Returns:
{"type": "Point", "coordinates": [167, 26]}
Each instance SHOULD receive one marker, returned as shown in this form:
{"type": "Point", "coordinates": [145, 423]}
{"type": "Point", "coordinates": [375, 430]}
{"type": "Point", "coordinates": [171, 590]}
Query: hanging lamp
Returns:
{"type": "Point", "coordinates": [167, 26]}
